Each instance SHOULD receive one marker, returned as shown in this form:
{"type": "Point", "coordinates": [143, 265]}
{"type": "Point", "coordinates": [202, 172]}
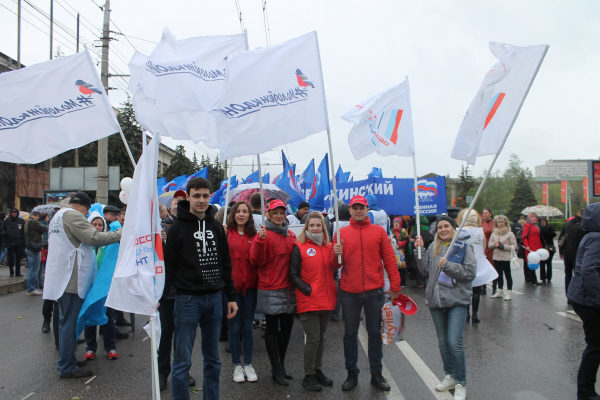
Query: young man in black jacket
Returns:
{"type": "Point", "coordinates": [198, 266]}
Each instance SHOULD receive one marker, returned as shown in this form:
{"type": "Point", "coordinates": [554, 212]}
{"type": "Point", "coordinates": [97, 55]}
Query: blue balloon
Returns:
{"type": "Point", "coordinates": [533, 267]}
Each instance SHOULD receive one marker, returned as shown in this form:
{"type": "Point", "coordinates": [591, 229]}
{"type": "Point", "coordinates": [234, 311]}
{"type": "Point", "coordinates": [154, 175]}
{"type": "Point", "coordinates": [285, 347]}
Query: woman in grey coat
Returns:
{"type": "Point", "coordinates": [448, 296]}
{"type": "Point", "coordinates": [584, 294]}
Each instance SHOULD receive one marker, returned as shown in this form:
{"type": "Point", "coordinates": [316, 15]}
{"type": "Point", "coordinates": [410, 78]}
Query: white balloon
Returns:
{"type": "Point", "coordinates": [126, 184]}
{"type": "Point", "coordinates": [543, 253]}
{"type": "Point", "coordinates": [533, 258]}
{"type": "Point", "coordinates": [124, 197]}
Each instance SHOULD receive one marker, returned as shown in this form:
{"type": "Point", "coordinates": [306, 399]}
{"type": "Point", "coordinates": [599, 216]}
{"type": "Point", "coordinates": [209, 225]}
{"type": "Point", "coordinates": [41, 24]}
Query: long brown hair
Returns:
{"type": "Point", "coordinates": [319, 216]}
{"type": "Point", "coordinates": [249, 229]}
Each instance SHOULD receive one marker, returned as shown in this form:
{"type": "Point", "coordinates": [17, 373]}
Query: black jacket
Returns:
{"type": "Point", "coordinates": [194, 265]}
{"type": "Point", "coordinates": [13, 230]}
{"type": "Point", "coordinates": [33, 234]}
{"type": "Point", "coordinates": [572, 233]}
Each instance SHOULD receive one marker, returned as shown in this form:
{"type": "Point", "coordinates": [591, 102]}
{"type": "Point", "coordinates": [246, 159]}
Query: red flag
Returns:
{"type": "Point", "coordinates": [563, 191]}
{"type": "Point", "coordinates": [585, 189]}
{"type": "Point", "coordinates": [545, 193]}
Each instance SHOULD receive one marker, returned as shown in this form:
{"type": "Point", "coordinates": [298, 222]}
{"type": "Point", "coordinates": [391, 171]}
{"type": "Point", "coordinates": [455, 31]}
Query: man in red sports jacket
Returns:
{"type": "Point", "coordinates": [366, 251]}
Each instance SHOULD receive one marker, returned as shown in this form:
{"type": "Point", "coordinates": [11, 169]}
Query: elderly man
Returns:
{"type": "Point", "coordinates": [70, 271]}
{"type": "Point", "coordinates": [366, 251]}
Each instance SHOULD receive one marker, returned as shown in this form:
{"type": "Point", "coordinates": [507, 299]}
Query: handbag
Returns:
{"type": "Point", "coordinates": [515, 262]}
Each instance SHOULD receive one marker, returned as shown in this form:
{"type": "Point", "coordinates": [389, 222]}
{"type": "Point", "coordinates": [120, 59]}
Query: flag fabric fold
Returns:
{"type": "Point", "coordinates": [51, 107]}
{"type": "Point", "coordinates": [287, 182]}
{"type": "Point", "coordinates": [322, 200]}
{"type": "Point", "coordinates": [203, 173]}
{"type": "Point", "coordinates": [272, 96]}
{"type": "Point", "coordinates": [498, 100]}
{"type": "Point", "coordinates": [383, 124]}
{"type": "Point", "coordinates": [139, 277]}
{"type": "Point", "coordinates": [307, 181]}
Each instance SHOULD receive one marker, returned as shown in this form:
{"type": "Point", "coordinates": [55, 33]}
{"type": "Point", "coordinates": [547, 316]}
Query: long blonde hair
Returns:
{"type": "Point", "coordinates": [473, 219]}
{"type": "Point", "coordinates": [314, 215]}
{"type": "Point", "coordinates": [437, 242]}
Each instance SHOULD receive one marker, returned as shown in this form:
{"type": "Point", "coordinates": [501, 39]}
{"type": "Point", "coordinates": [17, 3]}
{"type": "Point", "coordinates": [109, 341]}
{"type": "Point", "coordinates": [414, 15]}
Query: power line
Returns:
{"type": "Point", "coordinates": [266, 23]}
{"type": "Point", "coordinates": [239, 11]}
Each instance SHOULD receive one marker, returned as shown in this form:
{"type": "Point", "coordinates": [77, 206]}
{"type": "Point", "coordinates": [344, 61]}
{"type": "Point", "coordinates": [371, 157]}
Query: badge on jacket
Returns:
{"type": "Point", "coordinates": [311, 252]}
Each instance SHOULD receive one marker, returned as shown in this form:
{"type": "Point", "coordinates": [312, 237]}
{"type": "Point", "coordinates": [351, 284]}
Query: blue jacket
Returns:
{"type": "Point", "coordinates": [584, 288]}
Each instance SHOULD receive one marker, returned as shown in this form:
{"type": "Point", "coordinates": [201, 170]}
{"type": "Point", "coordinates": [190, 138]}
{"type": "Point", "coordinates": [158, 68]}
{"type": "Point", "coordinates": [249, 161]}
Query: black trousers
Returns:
{"type": "Point", "coordinates": [14, 256]}
{"type": "Point", "coordinates": [50, 312]}
{"type": "Point", "coordinates": [503, 269]}
{"type": "Point", "coordinates": [546, 268]}
{"type": "Point", "coordinates": [569, 265]}
{"type": "Point", "coordinates": [167, 327]}
{"type": "Point", "coordinates": [590, 360]}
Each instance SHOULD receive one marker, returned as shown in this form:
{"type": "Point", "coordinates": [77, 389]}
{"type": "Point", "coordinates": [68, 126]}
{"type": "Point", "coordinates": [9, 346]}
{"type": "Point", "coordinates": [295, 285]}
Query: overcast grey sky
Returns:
{"type": "Point", "coordinates": [368, 46]}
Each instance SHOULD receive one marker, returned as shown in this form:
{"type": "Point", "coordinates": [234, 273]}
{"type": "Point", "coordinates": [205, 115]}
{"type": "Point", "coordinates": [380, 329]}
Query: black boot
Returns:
{"type": "Point", "coordinates": [283, 341]}
{"type": "Point", "coordinates": [476, 298]}
{"type": "Point", "coordinates": [351, 381]}
{"type": "Point", "coordinates": [46, 326]}
{"type": "Point", "coordinates": [323, 379]}
{"type": "Point", "coordinates": [272, 346]}
{"type": "Point", "coordinates": [310, 382]}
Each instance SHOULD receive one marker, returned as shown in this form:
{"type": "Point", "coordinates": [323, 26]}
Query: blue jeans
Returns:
{"type": "Point", "coordinates": [69, 305]}
{"type": "Point", "coordinates": [352, 303]}
{"type": "Point", "coordinates": [450, 324]}
{"type": "Point", "coordinates": [241, 326]}
{"type": "Point", "coordinates": [33, 269]}
{"type": "Point", "coordinates": [205, 310]}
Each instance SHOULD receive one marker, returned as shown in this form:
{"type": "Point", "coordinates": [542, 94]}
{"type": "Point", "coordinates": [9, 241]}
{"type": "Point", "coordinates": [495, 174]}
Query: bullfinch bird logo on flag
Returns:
{"type": "Point", "coordinates": [86, 88]}
{"type": "Point", "coordinates": [303, 81]}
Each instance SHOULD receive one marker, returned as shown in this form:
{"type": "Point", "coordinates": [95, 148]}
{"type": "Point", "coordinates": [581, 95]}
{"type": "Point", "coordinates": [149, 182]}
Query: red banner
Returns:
{"type": "Point", "coordinates": [596, 178]}
{"type": "Point", "coordinates": [585, 189]}
{"type": "Point", "coordinates": [545, 193]}
{"type": "Point", "coordinates": [563, 191]}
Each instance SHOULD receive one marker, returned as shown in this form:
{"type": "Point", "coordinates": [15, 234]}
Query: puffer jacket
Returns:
{"type": "Point", "coordinates": [507, 240]}
{"type": "Point", "coordinates": [311, 272]}
{"type": "Point", "coordinates": [243, 271]}
{"type": "Point", "coordinates": [584, 288]}
{"type": "Point", "coordinates": [440, 296]}
{"type": "Point", "coordinates": [365, 246]}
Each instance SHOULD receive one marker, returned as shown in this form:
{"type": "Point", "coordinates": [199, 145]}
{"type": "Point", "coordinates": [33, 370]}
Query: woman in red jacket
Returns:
{"type": "Point", "coordinates": [240, 233]}
{"type": "Point", "coordinates": [532, 240]}
{"type": "Point", "coordinates": [270, 252]}
{"type": "Point", "coordinates": [312, 265]}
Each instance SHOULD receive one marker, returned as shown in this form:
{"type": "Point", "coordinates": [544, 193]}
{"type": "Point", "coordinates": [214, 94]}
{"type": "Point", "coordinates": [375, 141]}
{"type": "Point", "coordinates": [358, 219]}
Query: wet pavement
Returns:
{"type": "Point", "coordinates": [525, 349]}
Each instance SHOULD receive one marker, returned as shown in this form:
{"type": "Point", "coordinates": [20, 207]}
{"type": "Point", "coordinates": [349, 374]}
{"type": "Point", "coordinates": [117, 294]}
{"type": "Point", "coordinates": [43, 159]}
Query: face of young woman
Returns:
{"type": "Point", "coordinates": [315, 226]}
{"type": "Point", "coordinates": [278, 216]}
{"type": "Point", "coordinates": [396, 225]}
{"type": "Point", "coordinates": [486, 215]}
{"type": "Point", "coordinates": [445, 230]}
{"type": "Point", "coordinates": [98, 224]}
{"type": "Point", "coordinates": [242, 214]}
{"type": "Point", "coordinates": [533, 218]}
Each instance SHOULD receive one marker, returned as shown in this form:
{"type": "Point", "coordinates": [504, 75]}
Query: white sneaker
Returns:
{"type": "Point", "coordinates": [445, 385]}
{"type": "Point", "coordinates": [460, 392]}
{"type": "Point", "coordinates": [497, 294]}
{"type": "Point", "coordinates": [250, 373]}
{"type": "Point", "coordinates": [238, 374]}
{"type": "Point", "coordinates": [508, 295]}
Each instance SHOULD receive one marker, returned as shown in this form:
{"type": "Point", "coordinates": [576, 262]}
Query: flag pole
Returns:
{"type": "Point", "coordinates": [155, 385]}
{"type": "Point", "coordinates": [227, 192]}
{"type": "Point", "coordinates": [418, 212]}
{"type": "Point", "coordinates": [262, 194]}
{"type": "Point", "coordinates": [127, 146]}
{"type": "Point", "coordinates": [537, 68]}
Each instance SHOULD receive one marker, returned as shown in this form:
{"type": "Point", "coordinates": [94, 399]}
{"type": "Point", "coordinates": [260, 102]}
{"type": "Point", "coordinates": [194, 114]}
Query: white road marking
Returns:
{"type": "Point", "coordinates": [28, 396]}
{"type": "Point", "coordinates": [423, 370]}
{"type": "Point", "coordinates": [394, 392]}
{"type": "Point", "coordinates": [569, 314]}
{"type": "Point", "coordinates": [89, 380]}
{"type": "Point", "coordinates": [146, 338]}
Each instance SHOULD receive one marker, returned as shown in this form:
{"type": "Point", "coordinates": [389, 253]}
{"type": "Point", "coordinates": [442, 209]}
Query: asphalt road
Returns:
{"type": "Point", "coordinates": [526, 349]}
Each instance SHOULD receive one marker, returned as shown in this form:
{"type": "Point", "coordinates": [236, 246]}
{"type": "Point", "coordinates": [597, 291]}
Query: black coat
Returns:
{"type": "Point", "coordinates": [572, 233]}
{"type": "Point", "coordinates": [13, 231]}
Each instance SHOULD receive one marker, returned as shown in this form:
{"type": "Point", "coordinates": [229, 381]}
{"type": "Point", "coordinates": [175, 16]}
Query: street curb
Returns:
{"type": "Point", "coordinates": [14, 285]}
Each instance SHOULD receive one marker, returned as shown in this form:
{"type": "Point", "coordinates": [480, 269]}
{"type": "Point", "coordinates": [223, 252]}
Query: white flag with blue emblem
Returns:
{"type": "Point", "coordinates": [51, 107]}
{"type": "Point", "coordinates": [273, 96]}
{"type": "Point", "coordinates": [494, 109]}
{"type": "Point", "coordinates": [383, 124]}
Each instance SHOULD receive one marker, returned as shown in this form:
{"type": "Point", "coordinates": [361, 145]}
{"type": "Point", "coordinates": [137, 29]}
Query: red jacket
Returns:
{"type": "Point", "coordinates": [243, 271]}
{"type": "Point", "coordinates": [531, 238]}
{"type": "Point", "coordinates": [271, 256]}
{"type": "Point", "coordinates": [311, 271]}
{"type": "Point", "coordinates": [365, 246]}
{"type": "Point", "coordinates": [488, 228]}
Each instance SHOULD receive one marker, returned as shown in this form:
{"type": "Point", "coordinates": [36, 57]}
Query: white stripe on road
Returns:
{"type": "Point", "coordinates": [569, 314]}
{"type": "Point", "coordinates": [89, 380]}
{"type": "Point", "coordinates": [394, 392]}
{"type": "Point", "coordinates": [28, 396]}
{"type": "Point", "coordinates": [423, 370]}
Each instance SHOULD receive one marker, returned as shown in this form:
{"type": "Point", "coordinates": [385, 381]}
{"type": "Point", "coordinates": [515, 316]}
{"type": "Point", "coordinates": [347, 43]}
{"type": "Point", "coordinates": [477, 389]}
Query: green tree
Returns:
{"type": "Point", "coordinates": [179, 165]}
{"type": "Point", "coordinates": [465, 186]}
{"type": "Point", "coordinates": [522, 197]}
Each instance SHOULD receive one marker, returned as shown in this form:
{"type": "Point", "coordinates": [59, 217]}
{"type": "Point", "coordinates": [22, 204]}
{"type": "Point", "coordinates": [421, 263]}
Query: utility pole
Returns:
{"type": "Point", "coordinates": [76, 155]}
{"type": "Point", "coordinates": [102, 178]}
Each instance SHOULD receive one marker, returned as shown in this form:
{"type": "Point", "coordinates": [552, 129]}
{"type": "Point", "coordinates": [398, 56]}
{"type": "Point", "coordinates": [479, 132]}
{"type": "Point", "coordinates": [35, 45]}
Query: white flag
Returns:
{"type": "Point", "coordinates": [497, 103]}
{"type": "Point", "coordinates": [51, 107]}
{"type": "Point", "coordinates": [273, 96]}
{"type": "Point", "coordinates": [179, 81]}
{"type": "Point", "coordinates": [139, 277]}
{"type": "Point", "coordinates": [383, 124]}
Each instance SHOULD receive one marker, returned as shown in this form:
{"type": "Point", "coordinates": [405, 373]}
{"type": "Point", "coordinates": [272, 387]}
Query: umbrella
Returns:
{"type": "Point", "coordinates": [165, 198]}
{"type": "Point", "coordinates": [244, 191]}
{"type": "Point", "coordinates": [49, 209]}
{"type": "Point", "coordinates": [542, 211]}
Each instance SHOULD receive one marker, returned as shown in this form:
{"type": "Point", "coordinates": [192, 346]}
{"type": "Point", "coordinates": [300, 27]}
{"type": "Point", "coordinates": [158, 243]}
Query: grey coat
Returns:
{"type": "Point", "coordinates": [440, 296]}
{"type": "Point", "coordinates": [584, 288]}
{"type": "Point", "coordinates": [282, 301]}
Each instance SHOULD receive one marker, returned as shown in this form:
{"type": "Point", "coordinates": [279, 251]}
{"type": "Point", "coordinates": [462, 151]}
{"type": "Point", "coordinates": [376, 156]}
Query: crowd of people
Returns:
{"type": "Point", "coordinates": [232, 272]}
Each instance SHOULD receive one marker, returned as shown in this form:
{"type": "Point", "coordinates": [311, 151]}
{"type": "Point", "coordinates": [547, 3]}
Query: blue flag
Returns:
{"type": "Point", "coordinates": [308, 181]}
{"type": "Point", "coordinates": [266, 178]}
{"type": "Point", "coordinates": [219, 197]}
{"type": "Point", "coordinates": [287, 182]}
{"type": "Point", "coordinates": [375, 173]}
{"type": "Point", "coordinates": [160, 182]}
{"type": "Point", "coordinates": [174, 184]}
{"type": "Point", "coordinates": [93, 310]}
{"type": "Point", "coordinates": [322, 200]}
{"type": "Point", "coordinates": [341, 176]}
{"type": "Point", "coordinates": [203, 173]}
{"type": "Point", "coordinates": [253, 177]}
